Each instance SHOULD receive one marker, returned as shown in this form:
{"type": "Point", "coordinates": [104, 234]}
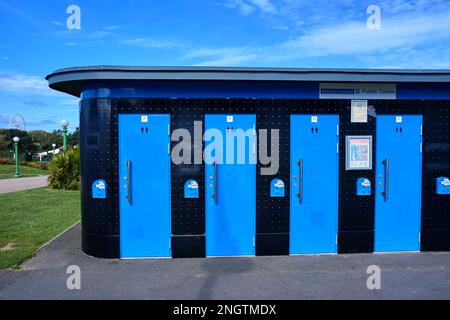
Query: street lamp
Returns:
{"type": "Point", "coordinates": [54, 146]}
{"type": "Point", "coordinates": [64, 125]}
{"type": "Point", "coordinates": [16, 150]}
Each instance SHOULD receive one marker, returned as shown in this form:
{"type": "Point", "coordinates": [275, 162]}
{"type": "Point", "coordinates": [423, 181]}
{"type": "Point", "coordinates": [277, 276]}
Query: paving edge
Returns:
{"type": "Point", "coordinates": [49, 242]}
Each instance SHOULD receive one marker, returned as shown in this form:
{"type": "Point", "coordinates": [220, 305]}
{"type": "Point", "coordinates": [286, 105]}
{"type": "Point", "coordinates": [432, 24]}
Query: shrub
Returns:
{"type": "Point", "coordinates": [64, 170]}
{"type": "Point", "coordinates": [8, 161]}
{"type": "Point", "coordinates": [38, 165]}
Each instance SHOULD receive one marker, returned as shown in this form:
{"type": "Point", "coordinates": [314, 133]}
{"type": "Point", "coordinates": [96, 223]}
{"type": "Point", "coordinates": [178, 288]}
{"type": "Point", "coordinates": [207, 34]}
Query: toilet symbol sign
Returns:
{"type": "Point", "coordinates": [99, 189]}
{"type": "Point", "coordinates": [277, 188]}
{"type": "Point", "coordinates": [191, 189]}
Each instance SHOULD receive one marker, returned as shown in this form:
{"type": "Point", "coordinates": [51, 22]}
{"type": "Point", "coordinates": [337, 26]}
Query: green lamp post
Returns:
{"type": "Point", "coordinates": [54, 150]}
{"type": "Point", "coordinates": [64, 125]}
{"type": "Point", "coordinates": [16, 151]}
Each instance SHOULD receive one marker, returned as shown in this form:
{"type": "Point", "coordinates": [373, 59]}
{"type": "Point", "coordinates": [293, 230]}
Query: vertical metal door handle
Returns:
{"type": "Point", "coordinates": [300, 168]}
{"type": "Point", "coordinates": [216, 192]}
{"type": "Point", "coordinates": [130, 184]}
{"type": "Point", "coordinates": [386, 179]}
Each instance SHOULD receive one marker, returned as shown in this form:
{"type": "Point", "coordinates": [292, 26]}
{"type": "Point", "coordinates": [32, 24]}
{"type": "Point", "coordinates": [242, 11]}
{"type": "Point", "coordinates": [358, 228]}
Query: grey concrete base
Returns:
{"type": "Point", "coordinates": [403, 276]}
{"type": "Point", "coordinates": [18, 184]}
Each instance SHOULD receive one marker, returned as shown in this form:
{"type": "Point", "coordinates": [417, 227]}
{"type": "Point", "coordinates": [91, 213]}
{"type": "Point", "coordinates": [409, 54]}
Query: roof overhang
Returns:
{"type": "Point", "coordinates": [70, 80]}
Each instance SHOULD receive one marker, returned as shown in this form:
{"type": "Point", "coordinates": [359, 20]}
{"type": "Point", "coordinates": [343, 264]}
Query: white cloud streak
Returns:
{"type": "Point", "coordinates": [25, 84]}
{"type": "Point", "coordinates": [154, 43]}
{"type": "Point", "coordinates": [403, 35]}
{"type": "Point", "coordinates": [249, 6]}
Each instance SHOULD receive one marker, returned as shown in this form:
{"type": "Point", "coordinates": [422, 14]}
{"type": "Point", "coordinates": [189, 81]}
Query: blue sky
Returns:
{"type": "Point", "coordinates": [34, 41]}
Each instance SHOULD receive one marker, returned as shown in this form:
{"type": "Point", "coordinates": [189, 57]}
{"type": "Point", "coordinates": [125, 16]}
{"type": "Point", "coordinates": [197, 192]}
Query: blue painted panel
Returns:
{"type": "Point", "coordinates": [397, 214]}
{"type": "Point", "coordinates": [201, 89]}
{"type": "Point", "coordinates": [145, 217]}
{"type": "Point", "coordinates": [314, 194]}
{"type": "Point", "coordinates": [99, 188]}
{"type": "Point", "coordinates": [230, 189]}
{"type": "Point", "coordinates": [426, 91]}
{"type": "Point", "coordinates": [241, 89]}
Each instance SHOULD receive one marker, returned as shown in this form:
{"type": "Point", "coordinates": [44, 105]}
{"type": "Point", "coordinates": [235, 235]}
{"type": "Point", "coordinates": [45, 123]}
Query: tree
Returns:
{"type": "Point", "coordinates": [6, 140]}
{"type": "Point", "coordinates": [73, 138]}
{"type": "Point", "coordinates": [44, 139]}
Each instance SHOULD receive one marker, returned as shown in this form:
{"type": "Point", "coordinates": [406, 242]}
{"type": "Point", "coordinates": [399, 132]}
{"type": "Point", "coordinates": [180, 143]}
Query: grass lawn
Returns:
{"type": "Point", "coordinates": [7, 171]}
{"type": "Point", "coordinates": [30, 218]}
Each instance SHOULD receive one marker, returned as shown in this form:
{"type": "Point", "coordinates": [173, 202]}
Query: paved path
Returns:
{"type": "Point", "coordinates": [403, 276]}
{"type": "Point", "coordinates": [18, 184]}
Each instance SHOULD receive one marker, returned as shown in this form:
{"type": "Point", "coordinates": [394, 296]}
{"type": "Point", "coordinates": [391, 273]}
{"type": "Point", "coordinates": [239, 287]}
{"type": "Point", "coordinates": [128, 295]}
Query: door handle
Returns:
{"type": "Point", "coordinates": [130, 182]}
{"type": "Point", "coordinates": [386, 179]}
{"type": "Point", "coordinates": [216, 192]}
{"type": "Point", "coordinates": [300, 187]}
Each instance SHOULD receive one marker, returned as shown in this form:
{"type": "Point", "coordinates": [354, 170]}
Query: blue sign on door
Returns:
{"type": "Point", "coordinates": [277, 188]}
{"type": "Point", "coordinates": [144, 186]}
{"type": "Point", "coordinates": [314, 184]}
{"type": "Point", "coordinates": [442, 185]}
{"type": "Point", "coordinates": [363, 187]}
{"type": "Point", "coordinates": [399, 183]}
{"type": "Point", "coordinates": [230, 175]}
{"type": "Point", "coordinates": [99, 188]}
{"type": "Point", "coordinates": [191, 189]}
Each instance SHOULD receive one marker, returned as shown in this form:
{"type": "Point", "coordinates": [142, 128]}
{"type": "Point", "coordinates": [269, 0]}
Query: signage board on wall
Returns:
{"type": "Point", "coordinates": [358, 153]}
{"type": "Point", "coordinates": [382, 91]}
{"type": "Point", "coordinates": [359, 111]}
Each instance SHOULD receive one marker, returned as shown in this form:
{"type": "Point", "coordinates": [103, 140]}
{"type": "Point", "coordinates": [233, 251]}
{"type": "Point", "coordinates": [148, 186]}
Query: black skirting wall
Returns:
{"type": "Point", "coordinates": [99, 153]}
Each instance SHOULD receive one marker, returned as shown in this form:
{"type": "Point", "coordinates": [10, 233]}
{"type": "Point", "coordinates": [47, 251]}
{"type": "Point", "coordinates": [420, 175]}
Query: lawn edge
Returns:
{"type": "Point", "coordinates": [18, 265]}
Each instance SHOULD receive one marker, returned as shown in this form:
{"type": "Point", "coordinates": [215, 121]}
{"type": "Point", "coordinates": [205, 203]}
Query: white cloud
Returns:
{"type": "Point", "coordinates": [25, 84]}
{"type": "Point", "coordinates": [401, 38]}
{"type": "Point", "coordinates": [69, 102]}
{"type": "Point", "coordinates": [154, 43]}
{"type": "Point", "coordinates": [423, 58]}
{"type": "Point", "coordinates": [339, 33]}
{"type": "Point", "coordinates": [57, 23]}
{"type": "Point", "coordinates": [208, 56]}
{"type": "Point", "coordinates": [264, 5]}
{"type": "Point", "coordinates": [225, 60]}
{"type": "Point", "coordinates": [112, 28]}
{"type": "Point", "coordinates": [354, 38]}
{"type": "Point", "coordinates": [249, 6]}
{"type": "Point", "coordinates": [244, 8]}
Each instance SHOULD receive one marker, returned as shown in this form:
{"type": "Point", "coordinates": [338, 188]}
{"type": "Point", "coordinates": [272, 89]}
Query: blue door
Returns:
{"type": "Point", "coordinates": [144, 178]}
{"type": "Point", "coordinates": [314, 184]}
{"type": "Point", "coordinates": [399, 181]}
{"type": "Point", "coordinates": [230, 175]}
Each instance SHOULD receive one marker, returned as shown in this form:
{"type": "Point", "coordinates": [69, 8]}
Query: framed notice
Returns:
{"type": "Point", "coordinates": [358, 153]}
{"type": "Point", "coordinates": [359, 111]}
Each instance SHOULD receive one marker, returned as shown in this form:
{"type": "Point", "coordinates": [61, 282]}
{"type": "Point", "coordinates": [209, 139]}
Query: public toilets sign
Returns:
{"type": "Point", "coordinates": [386, 91]}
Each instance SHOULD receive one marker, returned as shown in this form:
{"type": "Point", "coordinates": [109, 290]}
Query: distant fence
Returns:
{"type": "Point", "coordinates": [23, 156]}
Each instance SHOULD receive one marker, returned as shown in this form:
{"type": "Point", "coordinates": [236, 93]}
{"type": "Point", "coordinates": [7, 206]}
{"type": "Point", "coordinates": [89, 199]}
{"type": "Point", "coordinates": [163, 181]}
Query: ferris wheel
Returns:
{"type": "Point", "coordinates": [17, 122]}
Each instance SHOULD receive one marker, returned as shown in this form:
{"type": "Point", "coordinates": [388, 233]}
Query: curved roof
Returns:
{"type": "Point", "coordinates": [70, 80]}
